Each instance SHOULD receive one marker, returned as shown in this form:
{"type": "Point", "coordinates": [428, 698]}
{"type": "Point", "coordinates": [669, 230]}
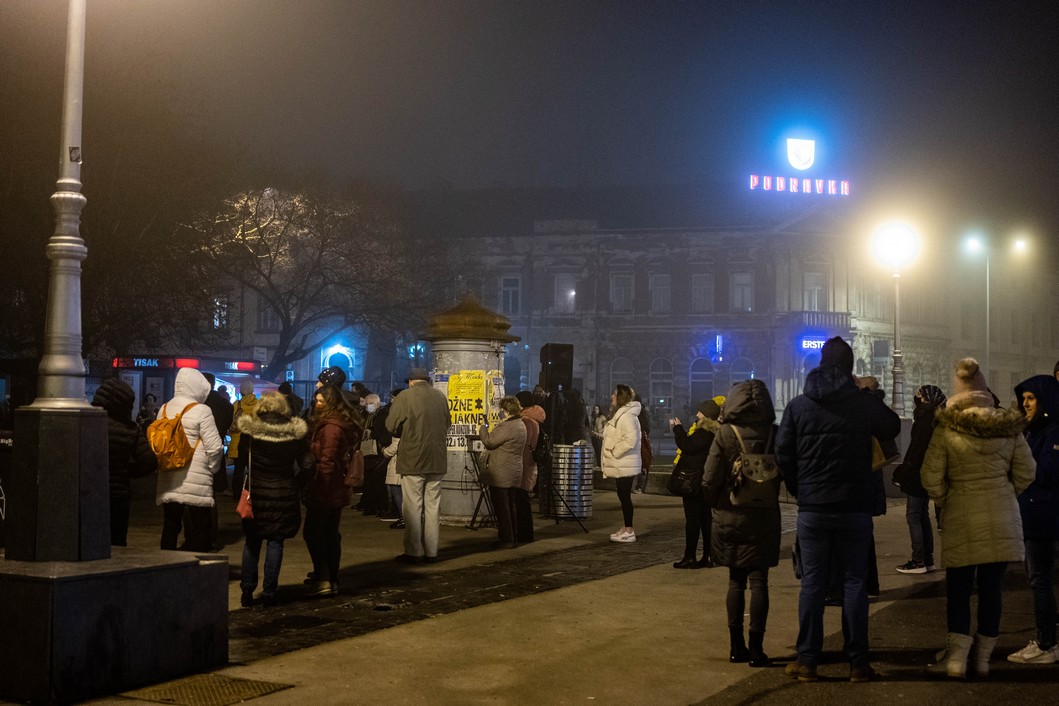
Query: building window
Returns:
{"type": "Point", "coordinates": [621, 292]}
{"type": "Point", "coordinates": [221, 305]}
{"type": "Point", "coordinates": [814, 292]}
{"type": "Point", "coordinates": [510, 291]}
{"type": "Point", "coordinates": [742, 369]}
{"type": "Point", "coordinates": [700, 381]}
{"type": "Point", "coordinates": [741, 291]}
{"type": "Point", "coordinates": [660, 294]}
{"type": "Point", "coordinates": [661, 385]}
{"type": "Point", "coordinates": [267, 320]}
{"type": "Point", "coordinates": [702, 294]}
{"type": "Point", "coordinates": [565, 294]}
{"type": "Point", "coordinates": [620, 374]}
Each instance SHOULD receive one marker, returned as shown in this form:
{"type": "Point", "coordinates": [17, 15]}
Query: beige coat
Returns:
{"type": "Point", "coordinates": [975, 467]}
{"type": "Point", "coordinates": [503, 456]}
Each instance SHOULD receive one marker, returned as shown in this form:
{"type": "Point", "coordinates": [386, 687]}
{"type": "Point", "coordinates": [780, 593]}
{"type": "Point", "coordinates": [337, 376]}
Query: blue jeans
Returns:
{"type": "Point", "coordinates": [843, 538]}
{"type": "Point", "coordinates": [273, 561]}
{"type": "Point", "coordinates": [917, 514]}
{"type": "Point", "coordinates": [959, 583]}
{"type": "Point", "coordinates": [1040, 562]}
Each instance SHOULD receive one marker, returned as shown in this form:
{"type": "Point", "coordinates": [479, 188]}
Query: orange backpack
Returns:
{"type": "Point", "coordinates": [169, 441]}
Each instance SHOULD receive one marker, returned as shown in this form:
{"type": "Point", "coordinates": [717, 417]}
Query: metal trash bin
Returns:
{"type": "Point", "coordinates": [570, 480]}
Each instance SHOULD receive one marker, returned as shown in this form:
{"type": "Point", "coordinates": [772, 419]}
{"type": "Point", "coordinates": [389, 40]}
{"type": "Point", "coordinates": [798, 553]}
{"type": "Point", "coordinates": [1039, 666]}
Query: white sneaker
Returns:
{"type": "Point", "coordinates": [1033, 654]}
{"type": "Point", "coordinates": [624, 536]}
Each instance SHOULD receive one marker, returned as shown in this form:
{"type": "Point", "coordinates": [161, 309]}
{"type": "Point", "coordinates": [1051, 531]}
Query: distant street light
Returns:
{"type": "Point", "coordinates": [977, 245]}
{"type": "Point", "coordinates": [895, 245]}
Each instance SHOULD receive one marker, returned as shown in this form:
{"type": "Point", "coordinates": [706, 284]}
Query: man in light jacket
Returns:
{"type": "Point", "coordinates": [186, 494]}
{"type": "Point", "coordinates": [419, 416]}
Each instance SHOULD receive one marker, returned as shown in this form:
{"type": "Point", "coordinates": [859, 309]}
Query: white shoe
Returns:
{"type": "Point", "coordinates": [1033, 654]}
{"type": "Point", "coordinates": [623, 536]}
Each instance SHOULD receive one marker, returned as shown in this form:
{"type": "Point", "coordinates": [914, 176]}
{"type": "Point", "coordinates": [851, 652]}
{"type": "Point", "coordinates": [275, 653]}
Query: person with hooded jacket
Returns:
{"type": "Point", "coordinates": [621, 454]}
{"type": "Point", "coordinates": [130, 455]}
{"type": "Point", "coordinates": [745, 539]}
{"type": "Point", "coordinates": [532, 417]}
{"type": "Point", "coordinates": [186, 494]}
{"type": "Point", "coordinates": [1038, 399]}
{"type": "Point", "coordinates": [928, 400]}
{"type": "Point", "coordinates": [276, 447]}
{"type": "Point", "coordinates": [824, 450]}
{"type": "Point", "coordinates": [976, 464]}
{"type": "Point", "coordinates": [693, 447]}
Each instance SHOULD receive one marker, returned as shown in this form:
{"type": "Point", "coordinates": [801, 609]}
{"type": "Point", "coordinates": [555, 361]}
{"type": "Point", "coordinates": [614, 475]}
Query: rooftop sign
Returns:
{"type": "Point", "coordinates": [801, 156]}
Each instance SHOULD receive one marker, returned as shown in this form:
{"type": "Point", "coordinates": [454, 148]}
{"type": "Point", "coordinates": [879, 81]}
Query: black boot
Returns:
{"type": "Point", "coordinates": [739, 652]}
{"type": "Point", "coordinates": [758, 658]}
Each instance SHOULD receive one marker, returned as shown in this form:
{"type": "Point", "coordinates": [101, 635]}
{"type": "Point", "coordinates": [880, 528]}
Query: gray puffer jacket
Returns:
{"type": "Point", "coordinates": [976, 465]}
{"type": "Point", "coordinates": [741, 537]}
{"type": "Point", "coordinates": [503, 457]}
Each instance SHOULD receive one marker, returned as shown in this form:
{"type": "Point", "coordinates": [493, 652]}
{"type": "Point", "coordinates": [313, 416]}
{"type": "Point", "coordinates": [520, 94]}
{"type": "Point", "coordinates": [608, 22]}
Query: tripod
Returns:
{"type": "Point", "coordinates": [489, 518]}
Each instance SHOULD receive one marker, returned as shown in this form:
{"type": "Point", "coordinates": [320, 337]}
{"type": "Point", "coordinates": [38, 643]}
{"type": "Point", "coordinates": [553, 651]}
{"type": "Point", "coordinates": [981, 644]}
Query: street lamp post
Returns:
{"type": "Point", "coordinates": [976, 244]}
{"type": "Point", "coordinates": [895, 245]}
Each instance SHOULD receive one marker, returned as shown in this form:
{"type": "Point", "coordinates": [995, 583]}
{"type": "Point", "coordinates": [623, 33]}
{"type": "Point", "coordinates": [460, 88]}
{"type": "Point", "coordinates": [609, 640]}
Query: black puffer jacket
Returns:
{"type": "Point", "coordinates": [278, 449]}
{"type": "Point", "coordinates": [824, 443]}
{"type": "Point", "coordinates": [1039, 503]}
{"type": "Point", "coordinates": [130, 454]}
{"type": "Point", "coordinates": [741, 537]}
{"type": "Point", "coordinates": [922, 431]}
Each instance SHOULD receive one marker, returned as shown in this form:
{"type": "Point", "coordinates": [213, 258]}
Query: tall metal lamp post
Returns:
{"type": "Point", "coordinates": [895, 245]}
{"type": "Point", "coordinates": [977, 245]}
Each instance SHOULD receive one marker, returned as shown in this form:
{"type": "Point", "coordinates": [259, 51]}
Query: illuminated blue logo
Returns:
{"type": "Point", "coordinates": [801, 153]}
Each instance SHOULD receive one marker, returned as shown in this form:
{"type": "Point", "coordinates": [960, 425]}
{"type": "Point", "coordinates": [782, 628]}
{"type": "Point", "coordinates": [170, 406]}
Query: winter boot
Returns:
{"type": "Point", "coordinates": [954, 661]}
{"type": "Point", "coordinates": [983, 650]}
{"type": "Point", "coordinates": [739, 652]}
{"type": "Point", "coordinates": [758, 658]}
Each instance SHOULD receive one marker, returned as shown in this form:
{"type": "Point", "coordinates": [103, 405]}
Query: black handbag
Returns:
{"type": "Point", "coordinates": [685, 482]}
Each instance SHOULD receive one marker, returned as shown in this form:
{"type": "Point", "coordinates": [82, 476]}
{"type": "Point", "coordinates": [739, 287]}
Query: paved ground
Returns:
{"type": "Point", "coordinates": [573, 619]}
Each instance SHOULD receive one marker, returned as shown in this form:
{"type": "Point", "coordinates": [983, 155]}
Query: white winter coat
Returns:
{"type": "Point", "coordinates": [621, 443]}
{"type": "Point", "coordinates": [193, 484]}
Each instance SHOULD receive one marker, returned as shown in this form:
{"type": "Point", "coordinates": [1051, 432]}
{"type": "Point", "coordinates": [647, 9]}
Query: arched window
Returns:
{"type": "Point", "coordinates": [700, 381]}
{"type": "Point", "coordinates": [620, 374]}
{"type": "Point", "coordinates": [661, 384]}
{"type": "Point", "coordinates": [743, 369]}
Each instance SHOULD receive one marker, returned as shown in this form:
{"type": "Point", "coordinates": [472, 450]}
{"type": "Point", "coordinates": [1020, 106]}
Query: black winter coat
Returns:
{"type": "Point", "coordinates": [746, 538]}
{"type": "Point", "coordinates": [824, 443]}
{"type": "Point", "coordinates": [1039, 503]}
{"type": "Point", "coordinates": [130, 456]}
{"type": "Point", "coordinates": [278, 450]}
{"type": "Point", "coordinates": [694, 447]}
{"type": "Point", "coordinates": [922, 431]}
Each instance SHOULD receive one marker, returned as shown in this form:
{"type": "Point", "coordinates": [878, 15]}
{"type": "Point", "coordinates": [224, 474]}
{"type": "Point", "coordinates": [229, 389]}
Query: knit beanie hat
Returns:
{"type": "Point", "coordinates": [332, 376]}
{"type": "Point", "coordinates": [969, 377]}
{"type": "Point", "coordinates": [837, 353]}
{"type": "Point", "coordinates": [709, 409]}
{"type": "Point", "coordinates": [525, 398]}
{"type": "Point", "coordinates": [116, 396]}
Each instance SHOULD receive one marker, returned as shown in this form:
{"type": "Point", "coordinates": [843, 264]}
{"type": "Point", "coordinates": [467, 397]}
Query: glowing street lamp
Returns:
{"type": "Point", "coordinates": [977, 246]}
{"type": "Point", "coordinates": [895, 245]}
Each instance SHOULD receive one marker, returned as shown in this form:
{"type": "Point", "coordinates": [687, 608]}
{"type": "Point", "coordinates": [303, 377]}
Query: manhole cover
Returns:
{"type": "Point", "coordinates": [206, 690]}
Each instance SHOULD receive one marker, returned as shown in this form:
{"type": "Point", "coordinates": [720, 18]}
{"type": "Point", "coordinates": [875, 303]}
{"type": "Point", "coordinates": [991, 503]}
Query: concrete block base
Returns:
{"type": "Point", "coordinates": [76, 630]}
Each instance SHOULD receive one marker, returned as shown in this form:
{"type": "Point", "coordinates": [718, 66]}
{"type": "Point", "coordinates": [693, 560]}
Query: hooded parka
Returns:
{"type": "Point", "coordinates": [976, 464]}
{"type": "Point", "coordinates": [192, 484]}
{"type": "Point", "coordinates": [742, 537]}
{"type": "Point", "coordinates": [129, 453]}
{"type": "Point", "coordinates": [277, 449]}
{"type": "Point", "coordinates": [1040, 502]}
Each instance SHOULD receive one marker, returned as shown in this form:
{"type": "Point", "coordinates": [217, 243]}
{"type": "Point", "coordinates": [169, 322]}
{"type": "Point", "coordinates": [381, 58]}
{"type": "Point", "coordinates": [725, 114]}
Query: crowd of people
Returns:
{"type": "Point", "coordinates": [991, 471]}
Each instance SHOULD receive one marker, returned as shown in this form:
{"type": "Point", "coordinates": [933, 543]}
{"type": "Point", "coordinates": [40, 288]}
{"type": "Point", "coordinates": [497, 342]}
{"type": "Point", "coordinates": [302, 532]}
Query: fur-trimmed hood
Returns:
{"type": "Point", "coordinates": [273, 427]}
{"type": "Point", "coordinates": [973, 413]}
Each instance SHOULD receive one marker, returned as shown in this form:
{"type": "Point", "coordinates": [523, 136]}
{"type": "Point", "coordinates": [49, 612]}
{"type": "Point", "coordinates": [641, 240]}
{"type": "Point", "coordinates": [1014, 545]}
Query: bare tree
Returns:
{"type": "Point", "coordinates": [321, 265]}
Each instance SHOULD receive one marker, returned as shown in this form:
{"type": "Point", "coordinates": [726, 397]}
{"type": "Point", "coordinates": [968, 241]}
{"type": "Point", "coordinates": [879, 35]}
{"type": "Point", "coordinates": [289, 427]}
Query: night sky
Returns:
{"type": "Point", "coordinates": [947, 111]}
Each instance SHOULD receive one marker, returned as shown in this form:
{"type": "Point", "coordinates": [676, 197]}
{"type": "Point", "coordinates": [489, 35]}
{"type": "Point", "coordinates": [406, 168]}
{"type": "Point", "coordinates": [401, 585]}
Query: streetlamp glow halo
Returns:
{"type": "Point", "coordinates": [895, 244]}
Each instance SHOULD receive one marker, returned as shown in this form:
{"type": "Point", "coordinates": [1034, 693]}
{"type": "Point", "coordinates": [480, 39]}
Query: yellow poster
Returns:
{"type": "Point", "coordinates": [467, 406]}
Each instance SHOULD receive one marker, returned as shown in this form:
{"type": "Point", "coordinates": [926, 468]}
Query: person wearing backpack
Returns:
{"type": "Point", "coordinates": [744, 538]}
{"type": "Point", "coordinates": [186, 492]}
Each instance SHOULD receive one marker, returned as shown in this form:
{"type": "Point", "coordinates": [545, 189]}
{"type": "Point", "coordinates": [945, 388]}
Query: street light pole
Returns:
{"type": "Point", "coordinates": [988, 371]}
{"type": "Point", "coordinates": [898, 401]}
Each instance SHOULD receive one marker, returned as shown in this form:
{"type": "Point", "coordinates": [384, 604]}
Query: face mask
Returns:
{"type": "Point", "coordinates": [372, 407]}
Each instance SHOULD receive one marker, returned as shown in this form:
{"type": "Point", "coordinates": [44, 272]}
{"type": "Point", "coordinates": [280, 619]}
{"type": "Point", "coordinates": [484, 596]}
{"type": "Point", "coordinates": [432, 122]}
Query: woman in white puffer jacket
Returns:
{"type": "Point", "coordinates": [190, 488]}
{"type": "Point", "coordinates": [621, 453]}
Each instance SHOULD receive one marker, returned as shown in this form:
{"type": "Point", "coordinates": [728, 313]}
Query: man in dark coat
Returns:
{"type": "Point", "coordinates": [825, 454]}
{"type": "Point", "coordinates": [1038, 399]}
